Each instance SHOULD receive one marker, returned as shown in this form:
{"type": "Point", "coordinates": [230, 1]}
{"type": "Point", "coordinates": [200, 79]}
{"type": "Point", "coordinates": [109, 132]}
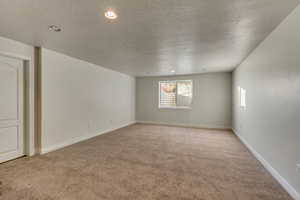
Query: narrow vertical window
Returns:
{"type": "Point", "coordinates": [242, 97]}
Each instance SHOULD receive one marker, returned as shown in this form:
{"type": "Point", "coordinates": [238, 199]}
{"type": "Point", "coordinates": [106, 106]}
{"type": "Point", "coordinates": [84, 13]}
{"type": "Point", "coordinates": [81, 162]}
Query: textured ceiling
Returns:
{"type": "Point", "coordinates": [150, 37]}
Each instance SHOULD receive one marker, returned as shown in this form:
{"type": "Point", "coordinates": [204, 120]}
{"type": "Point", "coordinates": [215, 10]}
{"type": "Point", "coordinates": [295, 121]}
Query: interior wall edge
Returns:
{"type": "Point", "coordinates": [199, 126]}
{"type": "Point", "coordinates": [38, 99]}
{"type": "Point", "coordinates": [270, 123]}
{"type": "Point", "coordinates": [282, 181]}
{"type": "Point", "coordinates": [82, 138]}
{"type": "Point", "coordinates": [68, 117]}
{"type": "Point", "coordinates": [211, 104]}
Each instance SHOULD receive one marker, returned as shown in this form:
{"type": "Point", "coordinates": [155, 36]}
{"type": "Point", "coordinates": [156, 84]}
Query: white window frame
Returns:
{"type": "Point", "coordinates": [242, 97]}
{"type": "Point", "coordinates": [174, 107]}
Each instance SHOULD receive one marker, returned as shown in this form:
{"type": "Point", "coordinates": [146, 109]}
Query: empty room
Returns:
{"type": "Point", "coordinates": [149, 100]}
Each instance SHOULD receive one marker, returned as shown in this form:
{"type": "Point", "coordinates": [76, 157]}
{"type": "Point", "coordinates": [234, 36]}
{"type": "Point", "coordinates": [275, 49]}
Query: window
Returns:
{"type": "Point", "coordinates": [242, 92]}
{"type": "Point", "coordinates": [175, 94]}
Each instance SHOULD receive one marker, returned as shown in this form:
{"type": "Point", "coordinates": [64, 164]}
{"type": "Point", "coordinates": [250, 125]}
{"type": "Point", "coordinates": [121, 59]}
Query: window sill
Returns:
{"type": "Point", "coordinates": [179, 108]}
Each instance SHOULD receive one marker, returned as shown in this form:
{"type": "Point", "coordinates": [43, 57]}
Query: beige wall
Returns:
{"type": "Point", "coordinates": [81, 100]}
{"type": "Point", "coordinates": [270, 124]}
{"type": "Point", "coordinates": [211, 106]}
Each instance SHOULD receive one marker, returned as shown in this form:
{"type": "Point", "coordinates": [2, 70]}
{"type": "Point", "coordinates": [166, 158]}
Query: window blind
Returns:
{"type": "Point", "coordinates": [175, 93]}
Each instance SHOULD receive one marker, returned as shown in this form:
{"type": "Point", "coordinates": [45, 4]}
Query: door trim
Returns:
{"type": "Point", "coordinates": [29, 101]}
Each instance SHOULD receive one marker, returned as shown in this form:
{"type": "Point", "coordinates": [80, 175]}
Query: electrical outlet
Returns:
{"type": "Point", "coordinates": [298, 168]}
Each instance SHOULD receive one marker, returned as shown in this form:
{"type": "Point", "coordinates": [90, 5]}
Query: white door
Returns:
{"type": "Point", "coordinates": [11, 108]}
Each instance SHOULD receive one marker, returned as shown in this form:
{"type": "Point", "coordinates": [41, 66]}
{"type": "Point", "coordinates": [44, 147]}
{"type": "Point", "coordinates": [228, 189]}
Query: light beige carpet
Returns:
{"type": "Point", "coordinates": [143, 162]}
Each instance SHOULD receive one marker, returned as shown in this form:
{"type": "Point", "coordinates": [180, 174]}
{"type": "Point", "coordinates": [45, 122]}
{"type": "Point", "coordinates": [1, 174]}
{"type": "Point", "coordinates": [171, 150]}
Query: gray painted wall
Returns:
{"type": "Point", "coordinates": [80, 100]}
{"type": "Point", "coordinates": [211, 106]}
{"type": "Point", "coordinates": [271, 121]}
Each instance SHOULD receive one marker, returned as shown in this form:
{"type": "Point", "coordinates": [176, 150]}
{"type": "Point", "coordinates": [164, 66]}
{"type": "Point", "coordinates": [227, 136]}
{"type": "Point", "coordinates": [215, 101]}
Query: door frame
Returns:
{"type": "Point", "coordinates": [30, 148]}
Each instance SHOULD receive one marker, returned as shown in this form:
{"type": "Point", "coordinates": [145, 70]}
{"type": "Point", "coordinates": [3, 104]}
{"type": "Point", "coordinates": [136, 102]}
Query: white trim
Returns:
{"type": "Point", "coordinates": [16, 56]}
{"type": "Point", "coordinates": [29, 147]}
{"type": "Point", "coordinates": [186, 125]}
{"type": "Point", "coordinates": [24, 52]}
{"type": "Point", "coordinates": [80, 139]}
{"type": "Point", "coordinates": [175, 107]}
{"type": "Point", "coordinates": [289, 188]}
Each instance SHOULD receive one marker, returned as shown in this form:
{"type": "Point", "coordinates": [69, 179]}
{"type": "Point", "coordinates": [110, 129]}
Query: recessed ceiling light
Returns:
{"type": "Point", "coordinates": [110, 14]}
{"type": "Point", "coordinates": [54, 28]}
{"type": "Point", "coordinates": [173, 71]}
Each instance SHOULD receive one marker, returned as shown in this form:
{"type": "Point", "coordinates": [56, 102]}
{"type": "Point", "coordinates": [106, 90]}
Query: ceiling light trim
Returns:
{"type": "Point", "coordinates": [110, 14]}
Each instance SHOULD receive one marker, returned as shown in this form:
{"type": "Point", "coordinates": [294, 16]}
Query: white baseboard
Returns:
{"type": "Point", "coordinates": [289, 188]}
{"type": "Point", "coordinates": [80, 139]}
{"type": "Point", "coordinates": [186, 125]}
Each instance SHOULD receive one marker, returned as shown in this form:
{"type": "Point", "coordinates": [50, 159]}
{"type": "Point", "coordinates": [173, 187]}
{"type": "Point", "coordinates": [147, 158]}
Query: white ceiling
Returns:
{"type": "Point", "coordinates": [150, 37]}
